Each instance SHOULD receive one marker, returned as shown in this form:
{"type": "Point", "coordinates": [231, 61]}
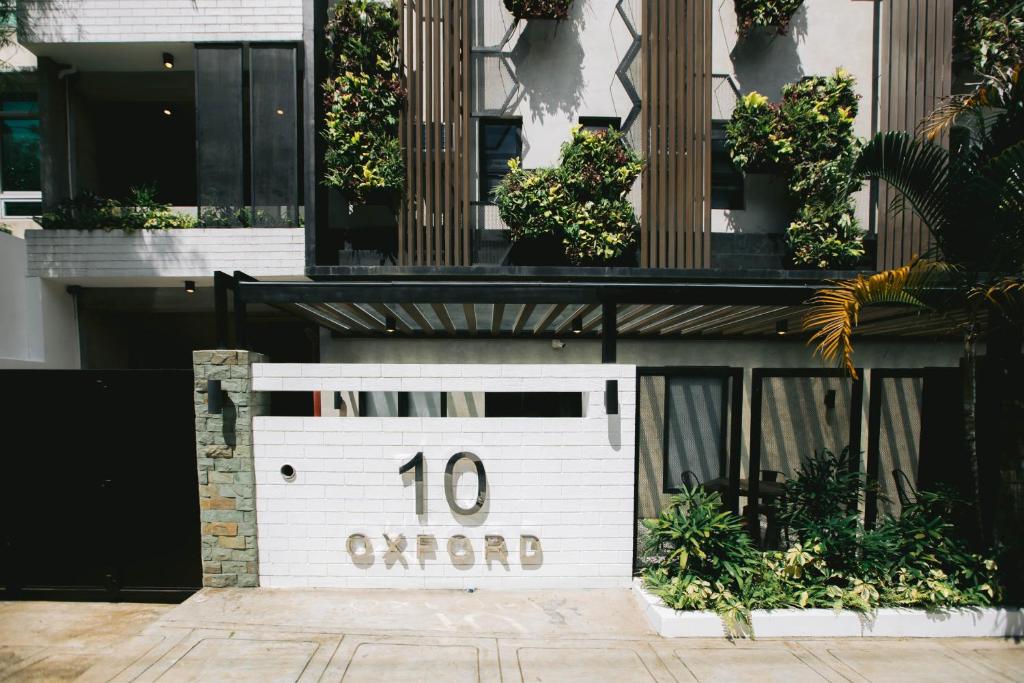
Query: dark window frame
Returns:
{"type": "Point", "coordinates": [731, 194]}
{"type": "Point", "coordinates": [483, 179]}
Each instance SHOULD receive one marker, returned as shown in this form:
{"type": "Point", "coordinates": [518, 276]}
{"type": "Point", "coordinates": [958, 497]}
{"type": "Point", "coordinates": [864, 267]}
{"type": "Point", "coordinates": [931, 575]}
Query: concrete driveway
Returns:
{"type": "Point", "coordinates": [377, 636]}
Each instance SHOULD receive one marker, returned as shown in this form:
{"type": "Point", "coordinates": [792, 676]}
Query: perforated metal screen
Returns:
{"type": "Point", "coordinates": [274, 134]}
{"type": "Point", "coordinates": [220, 131]}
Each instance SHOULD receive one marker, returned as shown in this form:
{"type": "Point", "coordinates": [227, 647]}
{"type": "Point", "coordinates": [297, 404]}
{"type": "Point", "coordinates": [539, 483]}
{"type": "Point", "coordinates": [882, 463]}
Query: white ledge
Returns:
{"type": "Point", "coordinates": [887, 622]}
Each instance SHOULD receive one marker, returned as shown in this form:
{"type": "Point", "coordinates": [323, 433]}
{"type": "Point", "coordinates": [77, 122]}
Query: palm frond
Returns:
{"type": "Point", "coordinates": [835, 312]}
{"type": "Point", "coordinates": [919, 170]}
{"type": "Point", "coordinates": [945, 115]}
{"type": "Point", "coordinates": [1006, 294]}
{"type": "Point", "coordinates": [987, 228]}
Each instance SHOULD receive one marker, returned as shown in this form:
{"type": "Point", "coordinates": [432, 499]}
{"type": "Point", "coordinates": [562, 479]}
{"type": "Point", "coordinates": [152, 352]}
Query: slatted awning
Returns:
{"type": "Point", "coordinates": [565, 309]}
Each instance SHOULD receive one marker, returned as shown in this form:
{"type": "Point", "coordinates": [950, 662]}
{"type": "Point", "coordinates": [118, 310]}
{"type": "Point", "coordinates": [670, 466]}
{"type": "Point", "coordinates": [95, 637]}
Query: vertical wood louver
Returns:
{"type": "Point", "coordinates": [433, 224]}
{"type": "Point", "coordinates": [916, 73]}
{"type": "Point", "coordinates": [676, 134]}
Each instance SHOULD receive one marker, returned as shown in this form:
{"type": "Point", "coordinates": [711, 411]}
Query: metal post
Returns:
{"type": "Point", "coordinates": [221, 283]}
{"type": "Point", "coordinates": [609, 332]}
{"type": "Point", "coordinates": [241, 340]}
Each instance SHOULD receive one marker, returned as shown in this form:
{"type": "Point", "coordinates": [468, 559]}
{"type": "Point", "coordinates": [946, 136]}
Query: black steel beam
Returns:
{"type": "Point", "coordinates": [609, 332]}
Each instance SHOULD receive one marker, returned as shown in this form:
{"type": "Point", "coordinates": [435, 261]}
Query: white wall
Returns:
{"type": "Point", "coordinates": [566, 481]}
{"type": "Point", "coordinates": [94, 257]}
{"type": "Point", "coordinates": [824, 35]}
{"type": "Point", "coordinates": [110, 21]}
{"type": "Point", "coordinates": [37, 318]}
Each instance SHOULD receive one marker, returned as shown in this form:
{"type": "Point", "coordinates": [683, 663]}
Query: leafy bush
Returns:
{"type": "Point", "coordinates": [808, 138]}
{"type": "Point", "coordinates": [989, 36]}
{"type": "Point", "coordinates": [706, 560]}
{"type": "Point", "coordinates": [4, 229]}
{"type": "Point", "coordinates": [581, 203]}
{"type": "Point", "coordinates": [138, 211]}
{"type": "Point", "coordinates": [363, 98]}
{"type": "Point", "coordinates": [539, 9]}
{"type": "Point", "coordinates": [765, 13]}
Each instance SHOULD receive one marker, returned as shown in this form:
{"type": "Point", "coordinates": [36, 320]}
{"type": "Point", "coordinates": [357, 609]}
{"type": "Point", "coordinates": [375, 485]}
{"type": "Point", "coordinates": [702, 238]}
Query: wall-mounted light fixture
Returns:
{"type": "Point", "coordinates": [337, 400]}
{"type": "Point", "coordinates": [577, 325]}
{"type": "Point", "coordinates": [190, 286]}
{"type": "Point", "coordinates": [214, 397]}
{"type": "Point", "coordinates": [168, 60]}
{"type": "Point", "coordinates": [830, 399]}
{"type": "Point", "coordinates": [390, 324]}
{"type": "Point", "coordinates": [782, 327]}
{"type": "Point", "coordinates": [611, 396]}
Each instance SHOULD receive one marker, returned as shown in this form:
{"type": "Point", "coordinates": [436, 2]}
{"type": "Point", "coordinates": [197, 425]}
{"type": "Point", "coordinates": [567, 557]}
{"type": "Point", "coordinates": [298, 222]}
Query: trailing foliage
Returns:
{"type": "Point", "coordinates": [539, 9]}
{"type": "Point", "coordinates": [363, 98]}
{"type": "Point", "coordinates": [706, 559]}
{"type": "Point", "coordinates": [989, 36]}
{"type": "Point", "coordinates": [138, 211]}
{"type": "Point", "coordinates": [581, 203]}
{"type": "Point", "coordinates": [774, 14]}
{"type": "Point", "coordinates": [807, 138]}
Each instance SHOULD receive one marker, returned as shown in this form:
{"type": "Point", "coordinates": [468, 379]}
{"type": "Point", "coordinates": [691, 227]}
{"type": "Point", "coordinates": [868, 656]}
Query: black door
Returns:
{"type": "Point", "coordinates": [99, 492]}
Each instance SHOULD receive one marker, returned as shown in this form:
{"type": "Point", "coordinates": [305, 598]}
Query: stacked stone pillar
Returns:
{"type": "Point", "coordinates": [227, 487]}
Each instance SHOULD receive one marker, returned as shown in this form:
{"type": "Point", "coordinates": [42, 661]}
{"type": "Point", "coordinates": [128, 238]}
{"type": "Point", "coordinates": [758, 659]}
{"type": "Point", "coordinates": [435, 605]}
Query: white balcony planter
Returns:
{"type": "Point", "coordinates": [826, 623]}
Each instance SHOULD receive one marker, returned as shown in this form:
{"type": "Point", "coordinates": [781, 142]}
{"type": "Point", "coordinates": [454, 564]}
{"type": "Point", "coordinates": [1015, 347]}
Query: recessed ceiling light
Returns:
{"type": "Point", "coordinates": [167, 111]}
{"type": "Point", "coordinates": [280, 112]}
{"type": "Point", "coordinates": [168, 60]}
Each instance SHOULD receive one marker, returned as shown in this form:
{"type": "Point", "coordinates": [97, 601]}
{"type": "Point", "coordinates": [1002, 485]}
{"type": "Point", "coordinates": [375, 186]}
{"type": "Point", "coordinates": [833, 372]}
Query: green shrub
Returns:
{"type": "Point", "coordinates": [705, 560]}
{"type": "Point", "coordinates": [138, 211]}
{"type": "Point", "coordinates": [808, 139]}
{"type": "Point", "coordinates": [363, 99]}
{"type": "Point", "coordinates": [539, 9]}
{"type": "Point", "coordinates": [581, 203]}
{"type": "Point", "coordinates": [765, 14]}
{"type": "Point", "coordinates": [989, 36]}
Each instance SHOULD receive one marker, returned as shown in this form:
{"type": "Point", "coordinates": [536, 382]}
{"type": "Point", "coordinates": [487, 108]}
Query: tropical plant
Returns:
{"type": "Point", "coordinates": [6, 230]}
{"type": "Point", "coordinates": [989, 36]}
{"type": "Point", "coordinates": [775, 14]}
{"type": "Point", "coordinates": [971, 199]}
{"type": "Point", "coordinates": [539, 9]}
{"type": "Point", "coordinates": [581, 203]}
{"type": "Point", "coordinates": [138, 211]}
{"type": "Point", "coordinates": [363, 99]}
{"type": "Point", "coordinates": [808, 139]}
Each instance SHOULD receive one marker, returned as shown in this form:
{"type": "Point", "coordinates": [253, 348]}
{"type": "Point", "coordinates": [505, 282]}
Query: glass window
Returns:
{"type": "Point", "coordinates": [726, 179]}
{"type": "Point", "coordinates": [500, 140]}
{"type": "Point", "coordinates": [596, 123]}
{"type": "Point", "coordinates": [19, 145]}
{"type": "Point", "coordinates": [22, 209]}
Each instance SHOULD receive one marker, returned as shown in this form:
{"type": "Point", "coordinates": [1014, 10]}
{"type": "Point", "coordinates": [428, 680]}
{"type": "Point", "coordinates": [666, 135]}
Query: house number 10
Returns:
{"type": "Point", "coordinates": [416, 464]}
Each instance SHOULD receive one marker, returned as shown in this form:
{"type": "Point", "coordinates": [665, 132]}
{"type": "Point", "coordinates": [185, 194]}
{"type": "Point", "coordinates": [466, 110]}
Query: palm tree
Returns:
{"type": "Point", "coordinates": [971, 199]}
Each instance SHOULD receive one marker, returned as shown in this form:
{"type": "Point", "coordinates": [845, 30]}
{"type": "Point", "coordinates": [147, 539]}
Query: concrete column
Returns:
{"type": "Point", "coordinates": [227, 487]}
{"type": "Point", "coordinates": [53, 133]}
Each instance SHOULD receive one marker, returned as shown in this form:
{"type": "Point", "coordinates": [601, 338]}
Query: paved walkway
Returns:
{"type": "Point", "coordinates": [378, 636]}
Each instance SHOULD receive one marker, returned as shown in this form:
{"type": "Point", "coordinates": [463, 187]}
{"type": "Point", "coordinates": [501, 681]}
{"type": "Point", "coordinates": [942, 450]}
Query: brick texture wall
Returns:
{"type": "Point", "coordinates": [566, 481]}
{"type": "Point", "coordinates": [191, 254]}
{"type": "Point", "coordinates": [128, 21]}
{"type": "Point", "coordinates": [224, 456]}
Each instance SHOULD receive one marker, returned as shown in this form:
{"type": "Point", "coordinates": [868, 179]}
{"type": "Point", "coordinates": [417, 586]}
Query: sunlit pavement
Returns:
{"type": "Point", "coordinates": [335, 635]}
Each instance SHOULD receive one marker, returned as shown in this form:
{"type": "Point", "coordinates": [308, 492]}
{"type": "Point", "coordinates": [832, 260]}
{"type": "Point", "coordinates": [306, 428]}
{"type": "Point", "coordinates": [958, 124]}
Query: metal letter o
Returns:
{"type": "Point", "coordinates": [449, 484]}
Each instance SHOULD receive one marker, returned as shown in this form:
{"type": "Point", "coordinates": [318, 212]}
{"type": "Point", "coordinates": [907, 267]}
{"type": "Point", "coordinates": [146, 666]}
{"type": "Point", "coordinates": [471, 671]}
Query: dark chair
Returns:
{"type": "Point", "coordinates": [689, 479]}
{"type": "Point", "coordinates": [905, 490]}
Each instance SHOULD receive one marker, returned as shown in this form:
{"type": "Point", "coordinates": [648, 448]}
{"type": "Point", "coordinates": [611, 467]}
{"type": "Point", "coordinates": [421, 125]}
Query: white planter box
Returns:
{"type": "Point", "coordinates": [826, 623]}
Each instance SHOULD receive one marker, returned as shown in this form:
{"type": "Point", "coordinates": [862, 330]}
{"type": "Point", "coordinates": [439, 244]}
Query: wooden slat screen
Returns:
{"type": "Point", "coordinates": [916, 72]}
{"type": "Point", "coordinates": [676, 134]}
{"type": "Point", "coordinates": [433, 226]}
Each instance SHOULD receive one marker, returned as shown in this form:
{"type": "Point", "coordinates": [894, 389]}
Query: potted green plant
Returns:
{"type": "Point", "coordinates": [773, 15]}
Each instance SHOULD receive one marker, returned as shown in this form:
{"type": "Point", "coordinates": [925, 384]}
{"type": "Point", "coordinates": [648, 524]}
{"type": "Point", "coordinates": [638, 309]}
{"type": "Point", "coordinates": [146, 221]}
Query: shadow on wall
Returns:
{"type": "Point", "coordinates": [548, 59]}
{"type": "Point", "coordinates": [765, 61]}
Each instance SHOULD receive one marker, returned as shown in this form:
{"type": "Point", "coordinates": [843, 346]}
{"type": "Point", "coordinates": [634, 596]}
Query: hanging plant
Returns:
{"type": "Point", "coordinates": [363, 99]}
{"type": "Point", "coordinates": [808, 139]}
{"type": "Point", "coordinates": [539, 9]}
{"type": "Point", "coordinates": [580, 205]}
{"type": "Point", "coordinates": [773, 14]}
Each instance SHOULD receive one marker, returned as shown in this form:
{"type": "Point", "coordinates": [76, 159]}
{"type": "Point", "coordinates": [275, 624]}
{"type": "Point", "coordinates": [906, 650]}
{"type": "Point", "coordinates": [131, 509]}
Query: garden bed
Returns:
{"type": "Point", "coordinates": [826, 623]}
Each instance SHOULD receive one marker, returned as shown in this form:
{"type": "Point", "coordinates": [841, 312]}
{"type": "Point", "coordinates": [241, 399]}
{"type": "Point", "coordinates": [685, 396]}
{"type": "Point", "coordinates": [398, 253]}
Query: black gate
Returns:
{"type": "Point", "coordinates": [99, 493]}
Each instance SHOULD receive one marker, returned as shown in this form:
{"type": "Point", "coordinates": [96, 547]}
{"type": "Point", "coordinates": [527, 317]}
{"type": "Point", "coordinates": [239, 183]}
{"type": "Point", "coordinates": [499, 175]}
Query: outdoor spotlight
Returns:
{"type": "Point", "coordinates": [337, 400]}
{"type": "Point", "coordinates": [214, 397]}
{"type": "Point", "coordinates": [611, 396]}
{"type": "Point", "coordinates": [390, 324]}
{"type": "Point", "coordinates": [782, 327]}
{"type": "Point", "coordinates": [577, 325]}
{"type": "Point", "coordinates": [168, 60]}
{"type": "Point", "coordinates": [190, 286]}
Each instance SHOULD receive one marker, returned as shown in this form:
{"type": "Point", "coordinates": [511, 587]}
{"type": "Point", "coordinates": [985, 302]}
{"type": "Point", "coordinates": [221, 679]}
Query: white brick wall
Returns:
{"type": "Point", "coordinates": [131, 21]}
{"type": "Point", "coordinates": [78, 255]}
{"type": "Point", "coordinates": [567, 481]}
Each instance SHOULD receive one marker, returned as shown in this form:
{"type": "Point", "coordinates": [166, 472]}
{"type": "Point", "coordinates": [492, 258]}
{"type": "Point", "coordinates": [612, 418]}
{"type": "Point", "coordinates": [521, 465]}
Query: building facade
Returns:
{"type": "Point", "coordinates": [416, 320]}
